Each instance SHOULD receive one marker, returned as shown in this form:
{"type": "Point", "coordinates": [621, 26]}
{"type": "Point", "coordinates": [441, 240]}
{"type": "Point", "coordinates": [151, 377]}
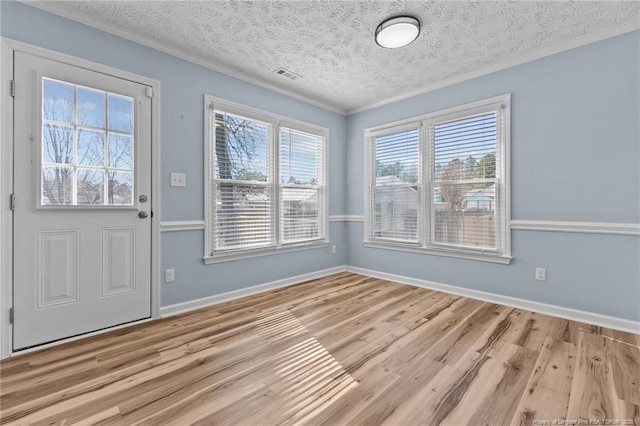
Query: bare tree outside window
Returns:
{"type": "Point", "coordinates": [243, 201]}
{"type": "Point", "coordinates": [236, 140]}
{"type": "Point", "coordinates": [453, 192]}
{"type": "Point", "coordinates": [83, 156]}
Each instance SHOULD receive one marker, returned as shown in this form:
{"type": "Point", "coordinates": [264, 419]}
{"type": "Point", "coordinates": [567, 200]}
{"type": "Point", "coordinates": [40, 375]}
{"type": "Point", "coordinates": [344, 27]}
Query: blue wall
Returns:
{"type": "Point", "coordinates": [575, 157]}
{"type": "Point", "coordinates": [183, 86]}
{"type": "Point", "coordinates": [575, 145]}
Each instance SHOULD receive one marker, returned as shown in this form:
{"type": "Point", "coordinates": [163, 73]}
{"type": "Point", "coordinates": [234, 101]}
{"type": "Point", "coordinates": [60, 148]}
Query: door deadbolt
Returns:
{"type": "Point", "coordinates": [143, 198]}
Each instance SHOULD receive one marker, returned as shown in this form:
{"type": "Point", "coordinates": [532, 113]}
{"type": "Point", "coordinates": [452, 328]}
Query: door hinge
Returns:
{"type": "Point", "coordinates": [12, 201]}
{"type": "Point", "coordinates": [12, 314]}
{"type": "Point", "coordinates": [149, 92]}
{"type": "Point", "coordinates": [13, 88]}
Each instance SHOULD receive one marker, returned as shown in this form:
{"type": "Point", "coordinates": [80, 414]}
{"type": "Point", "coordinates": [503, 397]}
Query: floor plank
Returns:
{"type": "Point", "coordinates": [549, 386]}
{"type": "Point", "coordinates": [593, 391]}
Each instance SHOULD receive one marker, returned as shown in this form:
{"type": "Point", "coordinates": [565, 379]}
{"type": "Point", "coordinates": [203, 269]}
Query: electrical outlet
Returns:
{"type": "Point", "coordinates": [541, 274]}
{"type": "Point", "coordinates": [169, 275]}
{"type": "Point", "coordinates": [178, 179]}
{"type": "Point", "coordinates": [333, 249]}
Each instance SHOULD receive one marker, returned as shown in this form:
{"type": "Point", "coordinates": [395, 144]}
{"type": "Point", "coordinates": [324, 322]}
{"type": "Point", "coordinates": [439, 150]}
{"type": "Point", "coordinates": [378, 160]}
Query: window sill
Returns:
{"type": "Point", "coordinates": [248, 254]}
{"type": "Point", "coordinates": [460, 254]}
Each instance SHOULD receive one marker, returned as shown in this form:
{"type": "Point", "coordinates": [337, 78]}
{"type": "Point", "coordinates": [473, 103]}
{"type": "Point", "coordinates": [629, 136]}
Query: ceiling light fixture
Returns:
{"type": "Point", "coordinates": [397, 31]}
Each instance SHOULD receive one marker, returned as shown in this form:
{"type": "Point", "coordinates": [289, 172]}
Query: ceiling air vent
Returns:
{"type": "Point", "coordinates": [286, 73]}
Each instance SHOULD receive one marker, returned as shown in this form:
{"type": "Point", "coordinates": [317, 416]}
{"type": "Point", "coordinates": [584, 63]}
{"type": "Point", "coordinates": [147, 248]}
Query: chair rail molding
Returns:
{"type": "Point", "coordinates": [197, 225]}
{"type": "Point", "coordinates": [614, 228]}
{"type": "Point", "coordinates": [181, 225]}
{"type": "Point", "coordinates": [346, 218]}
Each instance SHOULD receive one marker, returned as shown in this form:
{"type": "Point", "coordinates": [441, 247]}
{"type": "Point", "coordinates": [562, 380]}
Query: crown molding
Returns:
{"type": "Point", "coordinates": [571, 44]}
{"type": "Point", "coordinates": [54, 8]}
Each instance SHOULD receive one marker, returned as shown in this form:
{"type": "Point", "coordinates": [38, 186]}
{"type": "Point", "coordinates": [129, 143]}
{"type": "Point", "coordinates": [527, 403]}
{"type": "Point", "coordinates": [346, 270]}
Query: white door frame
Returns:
{"type": "Point", "coordinates": [8, 46]}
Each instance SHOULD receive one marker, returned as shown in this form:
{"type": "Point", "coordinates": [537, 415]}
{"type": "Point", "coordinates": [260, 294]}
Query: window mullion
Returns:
{"type": "Point", "coordinates": [74, 154]}
{"type": "Point", "coordinates": [427, 156]}
{"type": "Point", "coordinates": [500, 176]}
{"type": "Point", "coordinates": [105, 149]}
{"type": "Point", "coordinates": [276, 186]}
{"type": "Point", "coordinates": [371, 148]}
{"type": "Point", "coordinates": [212, 162]}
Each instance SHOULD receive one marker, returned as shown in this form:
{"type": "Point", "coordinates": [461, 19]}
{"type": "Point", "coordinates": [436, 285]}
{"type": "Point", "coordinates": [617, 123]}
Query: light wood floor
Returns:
{"type": "Point", "coordinates": [345, 349]}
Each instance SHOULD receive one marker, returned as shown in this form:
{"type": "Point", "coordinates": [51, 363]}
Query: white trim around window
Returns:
{"type": "Point", "coordinates": [439, 183]}
{"type": "Point", "coordinates": [276, 213]}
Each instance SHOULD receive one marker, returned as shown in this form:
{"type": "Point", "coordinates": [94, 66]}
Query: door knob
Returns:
{"type": "Point", "coordinates": [143, 215]}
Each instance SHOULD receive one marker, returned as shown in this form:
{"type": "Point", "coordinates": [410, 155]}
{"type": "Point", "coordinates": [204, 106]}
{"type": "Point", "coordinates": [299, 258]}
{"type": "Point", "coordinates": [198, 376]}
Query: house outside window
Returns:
{"type": "Point", "coordinates": [395, 192]}
{"type": "Point", "coordinates": [439, 183]}
{"type": "Point", "coordinates": [265, 183]}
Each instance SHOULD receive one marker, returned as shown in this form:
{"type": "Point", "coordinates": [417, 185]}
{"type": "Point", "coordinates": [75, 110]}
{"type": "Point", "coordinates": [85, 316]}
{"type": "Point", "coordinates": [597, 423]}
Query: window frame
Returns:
{"type": "Point", "coordinates": [276, 122]}
{"type": "Point", "coordinates": [424, 123]}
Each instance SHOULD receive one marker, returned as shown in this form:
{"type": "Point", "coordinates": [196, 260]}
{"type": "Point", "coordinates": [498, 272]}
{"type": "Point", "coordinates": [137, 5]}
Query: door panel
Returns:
{"type": "Point", "coordinates": [119, 263]}
{"type": "Point", "coordinates": [82, 159]}
{"type": "Point", "coordinates": [58, 266]}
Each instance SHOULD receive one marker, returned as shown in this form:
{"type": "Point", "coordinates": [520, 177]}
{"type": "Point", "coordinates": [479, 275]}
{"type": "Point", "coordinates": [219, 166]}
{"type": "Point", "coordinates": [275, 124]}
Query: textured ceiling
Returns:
{"type": "Point", "coordinates": [330, 43]}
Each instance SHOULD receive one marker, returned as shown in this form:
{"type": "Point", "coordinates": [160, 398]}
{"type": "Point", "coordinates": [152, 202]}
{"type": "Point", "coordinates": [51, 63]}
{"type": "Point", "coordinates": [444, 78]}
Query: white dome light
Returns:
{"type": "Point", "coordinates": [397, 32]}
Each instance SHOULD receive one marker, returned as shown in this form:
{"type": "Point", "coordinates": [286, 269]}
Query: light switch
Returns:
{"type": "Point", "coordinates": [178, 179]}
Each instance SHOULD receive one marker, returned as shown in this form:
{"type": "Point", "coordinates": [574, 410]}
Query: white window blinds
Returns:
{"type": "Point", "coordinates": [440, 182]}
{"type": "Point", "coordinates": [395, 189]}
{"type": "Point", "coordinates": [266, 182]}
{"type": "Point", "coordinates": [464, 181]}
{"type": "Point", "coordinates": [243, 213]}
{"type": "Point", "coordinates": [301, 179]}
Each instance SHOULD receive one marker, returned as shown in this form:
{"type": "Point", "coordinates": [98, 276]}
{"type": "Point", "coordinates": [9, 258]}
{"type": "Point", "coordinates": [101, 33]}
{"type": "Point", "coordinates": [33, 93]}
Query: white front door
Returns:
{"type": "Point", "coordinates": [82, 184]}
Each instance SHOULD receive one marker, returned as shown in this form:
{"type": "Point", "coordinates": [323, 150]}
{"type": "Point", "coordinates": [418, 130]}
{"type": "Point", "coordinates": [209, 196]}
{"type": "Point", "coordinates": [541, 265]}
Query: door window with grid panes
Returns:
{"type": "Point", "coordinates": [87, 146]}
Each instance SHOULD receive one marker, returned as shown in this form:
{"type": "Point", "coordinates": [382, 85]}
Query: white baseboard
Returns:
{"type": "Point", "coordinates": [178, 308]}
{"type": "Point", "coordinates": [542, 308]}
